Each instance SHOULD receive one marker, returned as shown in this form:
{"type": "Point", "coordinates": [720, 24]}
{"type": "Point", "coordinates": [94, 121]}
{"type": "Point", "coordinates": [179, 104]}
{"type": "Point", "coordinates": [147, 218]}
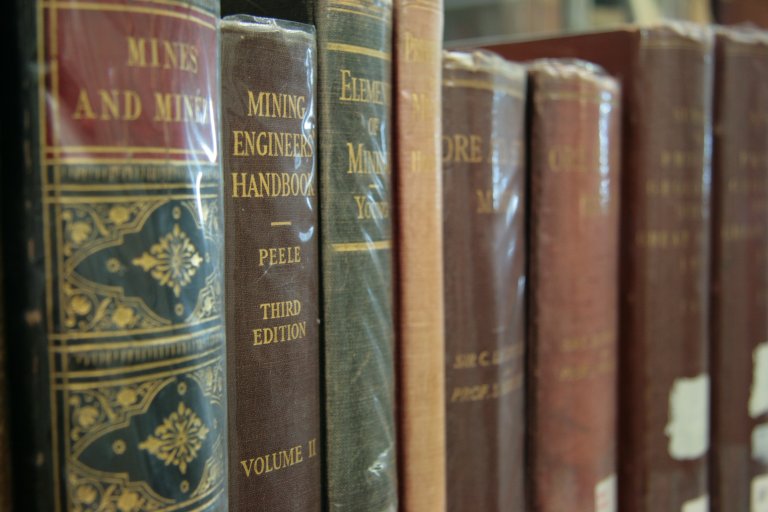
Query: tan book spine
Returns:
{"type": "Point", "coordinates": [418, 185]}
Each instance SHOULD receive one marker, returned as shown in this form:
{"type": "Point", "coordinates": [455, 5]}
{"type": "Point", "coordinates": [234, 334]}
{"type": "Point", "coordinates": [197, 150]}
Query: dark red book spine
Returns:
{"type": "Point", "coordinates": [574, 257]}
{"type": "Point", "coordinates": [739, 470]}
{"type": "Point", "coordinates": [484, 247]}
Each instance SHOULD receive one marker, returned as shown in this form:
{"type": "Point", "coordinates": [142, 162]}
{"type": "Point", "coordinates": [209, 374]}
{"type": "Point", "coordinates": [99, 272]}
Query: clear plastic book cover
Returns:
{"type": "Point", "coordinates": [122, 215]}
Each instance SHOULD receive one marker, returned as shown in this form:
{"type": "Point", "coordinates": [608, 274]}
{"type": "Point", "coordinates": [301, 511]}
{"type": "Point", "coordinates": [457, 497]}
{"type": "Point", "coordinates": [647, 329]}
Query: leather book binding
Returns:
{"type": "Point", "coordinates": [119, 369]}
{"type": "Point", "coordinates": [574, 286]}
{"type": "Point", "coordinates": [272, 263]}
{"type": "Point", "coordinates": [484, 253]}
{"type": "Point", "coordinates": [666, 77]}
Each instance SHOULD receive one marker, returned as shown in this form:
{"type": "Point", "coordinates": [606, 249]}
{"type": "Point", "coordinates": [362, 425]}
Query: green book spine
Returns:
{"type": "Point", "coordinates": [117, 325]}
{"type": "Point", "coordinates": [354, 90]}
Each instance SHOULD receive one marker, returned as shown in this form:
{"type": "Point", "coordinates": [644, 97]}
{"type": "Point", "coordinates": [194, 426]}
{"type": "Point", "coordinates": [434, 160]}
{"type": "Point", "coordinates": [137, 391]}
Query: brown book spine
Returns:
{"type": "Point", "coordinates": [419, 200]}
{"type": "Point", "coordinates": [666, 74]}
{"type": "Point", "coordinates": [272, 265]}
{"type": "Point", "coordinates": [574, 256]}
{"type": "Point", "coordinates": [739, 472]}
{"type": "Point", "coordinates": [664, 368]}
{"type": "Point", "coordinates": [484, 258]}
{"type": "Point", "coordinates": [742, 11]}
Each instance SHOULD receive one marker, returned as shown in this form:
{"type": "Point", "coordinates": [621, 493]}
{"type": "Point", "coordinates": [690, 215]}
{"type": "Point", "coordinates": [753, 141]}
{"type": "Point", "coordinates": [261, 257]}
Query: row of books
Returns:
{"type": "Point", "coordinates": [320, 264]}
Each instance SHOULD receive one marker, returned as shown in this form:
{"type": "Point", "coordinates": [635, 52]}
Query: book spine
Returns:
{"type": "Point", "coordinates": [732, 12]}
{"type": "Point", "coordinates": [484, 256]}
{"type": "Point", "coordinates": [739, 273]}
{"type": "Point", "coordinates": [664, 368]}
{"type": "Point", "coordinates": [355, 119]}
{"type": "Point", "coordinates": [573, 340]}
{"type": "Point", "coordinates": [120, 285]}
{"type": "Point", "coordinates": [419, 200]}
{"type": "Point", "coordinates": [272, 263]}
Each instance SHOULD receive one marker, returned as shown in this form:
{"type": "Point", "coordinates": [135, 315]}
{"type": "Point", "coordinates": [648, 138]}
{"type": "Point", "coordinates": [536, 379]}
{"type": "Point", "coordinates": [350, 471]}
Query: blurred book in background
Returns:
{"type": "Point", "coordinates": [742, 11]}
{"type": "Point", "coordinates": [472, 19]}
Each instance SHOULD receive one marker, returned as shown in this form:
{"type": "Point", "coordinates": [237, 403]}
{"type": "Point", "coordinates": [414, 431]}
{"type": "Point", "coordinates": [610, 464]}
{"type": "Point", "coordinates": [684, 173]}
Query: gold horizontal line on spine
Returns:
{"type": "Point", "coordinates": [75, 160]}
{"type": "Point", "coordinates": [426, 5]}
{"type": "Point", "coordinates": [84, 386]}
{"type": "Point", "coordinates": [359, 50]}
{"type": "Point", "coordinates": [182, 5]}
{"type": "Point", "coordinates": [125, 149]}
{"type": "Point", "coordinates": [365, 6]}
{"type": "Point", "coordinates": [118, 345]}
{"type": "Point", "coordinates": [761, 51]}
{"type": "Point", "coordinates": [585, 98]}
{"type": "Point", "coordinates": [479, 84]}
{"type": "Point", "coordinates": [281, 223]}
{"type": "Point", "coordinates": [673, 45]}
{"type": "Point", "coordinates": [122, 199]}
{"type": "Point", "coordinates": [75, 336]}
{"type": "Point", "coordinates": [126, 368]}
{"type": "Point", "coordinates": [109, 187]}
{"type": "Point", "coordinates": [358, 13]}
{"type": "Point", "coordinates": [92, 6]}
{"type": "Point", "coordinates": [379, 245]}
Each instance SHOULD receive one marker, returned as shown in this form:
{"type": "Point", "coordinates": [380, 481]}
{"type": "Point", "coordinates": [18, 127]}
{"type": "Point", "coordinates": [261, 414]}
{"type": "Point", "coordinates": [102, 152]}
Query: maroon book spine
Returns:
{"type": "Point", "coordinates": [484, 247]}
{"type": "Point", "coordinates": [739, 471]}
{"type": "Point", "coordinates": [574, 257]}
{"type": "Point", "coordinates": [664, 383]}
{"type": "Point", "coordinates": [272, 264]}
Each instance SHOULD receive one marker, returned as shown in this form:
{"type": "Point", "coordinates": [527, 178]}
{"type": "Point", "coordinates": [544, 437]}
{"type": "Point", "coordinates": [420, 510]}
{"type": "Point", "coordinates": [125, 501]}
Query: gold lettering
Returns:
{"type": "Point", "coordinates": [284, 309]}
{"type": "Point", "coordinates": [272, 184]}
{"type": "Point", "coordinates": [279, 256]}
{"type": "Point", "coordinates": [484, 201]}
{"type": "Point", "coordinates": [663, 239]}
{"type": "Point", "coordinates": [180, 108]}
{"type": "Point", "coordinates": [363, 90]}
{"type": "Point", "coordinates": [114, 104]}
{"type": "Point", "coordinates": [283, 144]}
{"type": "Point", "coordinates": [570, 159]}
{"type": "Point", "coordinates": [84, 109]}
{"type": "Point", "coordinates": [364, 161]}
{"type": "Point", "coordinates": [275, 461]}
{"type": "Point", "coordinates": [462, 148]}
{"type": "Point", "coordinates": [146, 52]}
{"type": "Point", "coordinates": [470, 393]}
{"type": "Point", "coordinates": [418, 50]}
{"type": "Point", "coordinates": [279, 333]}
{"type": "Point", "coordinates": [367, 208]}
{"type": "Point", "coordinates": [273, 104]}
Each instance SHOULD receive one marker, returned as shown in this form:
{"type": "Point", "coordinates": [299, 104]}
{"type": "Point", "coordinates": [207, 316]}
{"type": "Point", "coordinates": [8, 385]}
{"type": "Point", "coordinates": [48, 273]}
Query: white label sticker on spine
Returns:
{"type": "Point", "coordinates": [758, 399]}
{"type": "Point", "coordinates": [700, 504]}
{"type": "Point", "coordinates": [688, 424]}
{"type": "Point", "coordinates": [605, 495]}
{"type": "Point", "coordinates": [760, 443]}
{"type": "Point", "coordinates": [760, 494]}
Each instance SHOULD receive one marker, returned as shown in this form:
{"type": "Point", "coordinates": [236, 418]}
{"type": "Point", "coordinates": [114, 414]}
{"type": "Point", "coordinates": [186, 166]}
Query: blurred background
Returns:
{"type": "Point", "coordinates": [469, 19]}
